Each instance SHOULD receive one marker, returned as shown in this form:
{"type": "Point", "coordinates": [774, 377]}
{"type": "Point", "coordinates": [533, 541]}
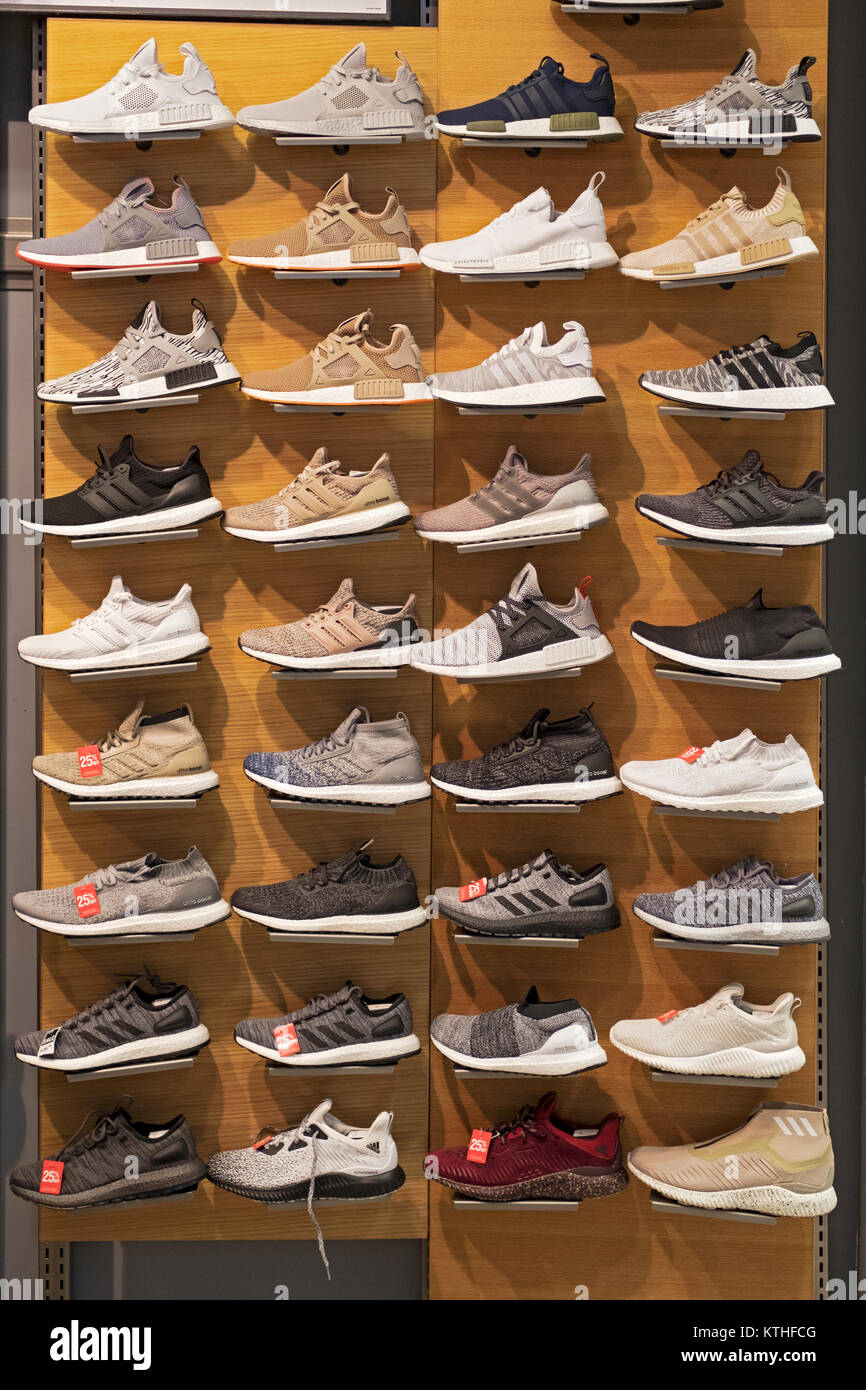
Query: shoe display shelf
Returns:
{"type": "Point", "coordinates": [132, 1068]}
{"type": "Point", "coordinates": [531, 279]}
{"type": "Point", "coordinates": [688, 676]}
{"type": "Point", "coordinates": [525, 542]}
{"type": "Point", "coordinates": [144, 141]}
{"type": "Point", "coordinates": [298, 803]}
{"type": "Point", "coordinates": [729, 547]}
{"type": "Point", "coordinates": [660, 809]}
{"type": "Point", "coordinates": [387, 533]}
{"type": "Point", "coordinates": [753, 1218]}
{"type": "Point", "coordinates": [342, 145]}
{"type": "Point", "coordinates": [571, 807]}
{"type": "Point", "coordinates": [468, 938]}
{"type": "Point", "coordinates": [571, 672]}
{"type": "Point", "coordinates": [729, 948]}
{"type": "Point", "coordinates": [692, 412]}
{"type": "Point", "coordinates": [359, 410]}
{"type": "Point", "coordinates": [133, 272]}
{"type": "Point", "coordinates": [168, 668]}
{"type": "Point", "coordinates": [686, 1078]}
{"type": "Point", "coordinates": [340, 277]}
{"type": "Point", "coordinates": [531, 146]}
{"type": "Point", "coordinates": [138, 803]}
{"type": "Point", "coordinates": [301, 1202]}
{"type": "Point", "coordinates": [727, 282]}
{"type": "Point", "coordinates": [139, 407]}
{"type": "Point", "coordinates": [346, 673]}
{"type": "Point", "coordinates": [632, 13]}
{"type": "Point", "coordinates": [133, 538]}
{"type": "Point", "coordinates": [336, 938]}
{"type": "Point", "coordinates": [476, 1204]}
{"type": "Point", "coordinates": [359, 1069]}
{"type": "Point", "coordinates": [135, 938]}
{"type": "Point", "coordinates": [769, 144]}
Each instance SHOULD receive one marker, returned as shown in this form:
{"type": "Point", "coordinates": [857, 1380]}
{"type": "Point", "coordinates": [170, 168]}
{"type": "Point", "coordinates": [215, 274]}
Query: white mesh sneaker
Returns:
{"type": "Point", "coordinates": [734, 774]}
{"type": "Point", "coordinates": [528, 370]}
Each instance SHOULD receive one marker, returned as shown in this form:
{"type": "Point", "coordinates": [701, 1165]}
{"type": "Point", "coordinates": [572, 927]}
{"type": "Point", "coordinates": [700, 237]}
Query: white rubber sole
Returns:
{"type": "Point", "coordinates": [609, 128]}
{"type": "Point", "coordinates": [372, 127]}
{"type": "Point", "coordinates": [580, 256]}
{"type": "Point", "coordinates": [330, 261]}
{"type": "Point", "coordinates": [136, 126]}
{"type": "Point", "coordinates": [143, 1049]}
{"type": "Point", "coordinates": [538, 1063]}
{"type": "Point", "coordinates": [770, 398]}
{"type": "Point", "coordinates": [772, 1201]}
{"type": "Point", "coordinates": [729, 1061]}
{"type": "Point", "coordinates": [166, 520]}
{"type": "Point", "coordinates": [584, 388]}
{"type": "Point", "coordinates": [385, 924]}
{"type": "Point", "coordinates": [135, 258]}
{"type": "Point", "coordinates": [569, 792]}
{"type": "Point", "coordinates": [414, 393]}
{"type": "Point", "coordinates": [559, 656]}
{"type": "Point", "coordinates": [802, 248]}
{"type": "Point", "coordinates": [370, 793]}
{"type": "Point", "coordinates": [787, 801]}
{"type": "Point", "coordinates": [349, 524]}
{"type": "Point", "coordinates": [554, 523]}
{"type": "Point", "coordinates": [391, 1049]}
{"type": "Point", "coordinates": [151, 389]}
{"type": "Point", "coordinates": [744, 535]}
{"type": "Point", "coordinates": [733, 132]}
{"type": "Point", "coordinates": [147, 924]}
{"type": "Point", "coordinates": [385, 656]}
{"type": "Point", "coordinates": [785, 670]}
{"type": "Point", "coordinates": [147, 654]}
{"type": "Point", "coordinates": [190, 784]}
{"type": "Point", "coordinates": [779, 933]}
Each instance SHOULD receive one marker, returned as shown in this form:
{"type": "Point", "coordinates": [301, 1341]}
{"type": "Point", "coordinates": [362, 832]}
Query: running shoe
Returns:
{"type": "Point", "coordinates": [342, 632]}
{"type": "Point", "coordinates": [740, 110]}
{"type": "Point", "coordinates": [779, 1162]}
{"type": "Point", "coordinates": [345, 1028]}
{"type": "Point", "coordinates": [649, 6]}
{"type": "Point", "coordinates": [529, 1039]}
{"type": "Point", "coordinates": [142, 1021]}
{"type": "Point", "coordinates": [539, 899]}
{"type": "Point", "coordinates": [352, 99]}
{"type": "Point", "coordinates": [141, 98]}
{"type": "Point", "coordinates": [731, 237]}
{"type": "Point", "coordinates": [787, 644]}
{"type": "Point", "coordinates": [148, 363]}
{"type": "Point", "coordinates": [134, 231]}
{"type": "Point", "coordinates": [723, 1036]}
{"type": "Point", "coordinates": [745, 505]}
{"type": "Point", "coordinates": [527, 370]}
{"type": "Point", "coordinates": [749, 902]}
{"type": "Point", "coordinates": [348, 368]}
{"type": "Point", "coordinates": [755, 376]}
{"type": "Point", "coordinates": [734, 774]}
{"type": "Point", "coordinates": [122, 631]}
{"type": "Point", "coordinates": [523, 634]}
{"type": "Point", "coordinates": [532, 237]}
{"type": "Point", "coordinates": [546, 104]}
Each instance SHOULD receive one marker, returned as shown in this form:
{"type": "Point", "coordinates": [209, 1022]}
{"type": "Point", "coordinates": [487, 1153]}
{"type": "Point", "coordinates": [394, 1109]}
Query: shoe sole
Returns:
{"type": "Point", "coordinates": [578, 391]}
{"type": "Point", "coordinates": [805, 668]}
{"type": "Point", "coordinates": [143, 124]}
{"type": "Point", "coordinates": [572, 521]}
{"type": "Point", "coordinates": [385, 924]}
{"type": "Point", "coordinates": [770, 1200]}
{"type": "Point", "coordinates": [740, 265]}
{"type": "Point", "coordinates": [538, 925]}
{"type": "Point", "coordinates": [558, 656]}
{"type": "Point", "coordinates": [570, 1186]}
{"type": "Point", "coordinates": [362, 793]}
{"type": "Point", "coordinates": [349, 524]}
{"type": "Point", "coordinates": [736, 133]}
{"type": "Point", "coordinates": [750, 933]}
{"type": "Point", "coordinates": [785, 802]}
{"type": "Point", "coordinates": [530, 1064]}
{"type": "Point", "coordinates": [330, 262]}
{"type": "Point", "coordinates": [335, 1187]}
{"type": "Point", "coordinates": [590, 256]}
{"type": "Point", "coordinates": [729, 1061]}
{"type": "Point", "coordinates": [156, 1049]}
{"type": "Point", "coordinates": [180, 1177]}
{"type": "Point", "coordinates": [138, 394]}
{"type": "Point", "coordinates": [767, 398]}
{"type": "Point", "coordinates": [385, 656]}
{"type": "Point", "coordinates": [147, 924]}
{"type": "Point", "coordinates": [141, 788]}
{"type": "Point", "coordinates": [343, 397]}
{"type": "Point", "coordinates": [357, 1054]}
{"type": "Point", "coordinates": [147, 654]}
{"type": "Point", "coordinates": [167, 519]}
{"type": "Point", "coordinates": [743, 535]}
{"type": "Point", "coordinates": [567, 792]}
{"type": "Point", "coordinates": [207, 253]}
{"type": "Point", "coordinates": [608, 128]}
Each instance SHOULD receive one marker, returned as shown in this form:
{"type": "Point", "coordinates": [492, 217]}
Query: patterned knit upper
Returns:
{"type": "Point", "coordinates": [336, 221]}
{"type": "Point", "coordinates": [331, 361]}
{"type": "Point", "coordinates": [321, 489]}
{"type": "Point", "coordinates": [513, 491]}
{"type": "Point", "coordinates": [741, 93]}
{"type": "Point", "coordinates": [540, 753]}
{"type": "Point", "coordinates": [757, 365]}
{"type": "Point", "coordinates": [350, 885]}
{"type": "Point", "coordinates": [513, 1030]}
{"type": "Point", "coordinates": [749, 891]}
{"type": "Point", "coordinates": [99, 1153]}
{"type": "Point", "coordinates": [705, 507]}
{"type": "Point", "coordinates": [342, 1019]}
{"type": "Point", "coordinates": [133, 889]}
{"type": "Point", "coordinates": [297, 640]}
{"type": "Point", "coordinates": [130, 220]}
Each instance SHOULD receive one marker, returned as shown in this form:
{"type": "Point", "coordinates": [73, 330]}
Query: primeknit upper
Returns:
{"type": "Point", "coordinates": [100, 1153]}
{"type": "Point", "coordinates": [748, 891]}
{"type": "Point", "coordinates": [134, 889]}
{"type": "Point", "coordinates": [542, 884]}
{"type": "Point", "coordinates": [721, 1022]}
{"type": "Point", "coordinates": [322, 489]}
{"type": "Point", "coordinates": [336, 221]}
{"type": "Point", "coordinates": [122, 485]}
{"type": "Point", "coordinates": [343, 624]}
{"type": "Point", "coordinates": [528, 358]}
{"type": "Point", "coordinates": [565, 750]}
{"type": "Point", "coordinates": [741, 93]}
{"type": "Point", "coordinates": [745, 495]}
{"type": "Point", "coordinates": [348, 354]}
{"type": "Point", "coordinates": [359, 750]}
{"type": "Point", "coordinates": [759, 365]}
{"type": "Point", "coordinates": [139, 1009]}
{"type": "Point", "coordinates": [352, 885]}
{"type": "Point", "coordinates": [515, 1029]}
{"type": "Point", "coordinates": [514, 491]}
{"type": "Point", "coordinates": [546, 92]}
{"type": "Point", "coordinates": [747, 633]}
{"type": "Point", "coordinates": [132, 219]}
{"type": "Point", "coordinates": [342, 1019]}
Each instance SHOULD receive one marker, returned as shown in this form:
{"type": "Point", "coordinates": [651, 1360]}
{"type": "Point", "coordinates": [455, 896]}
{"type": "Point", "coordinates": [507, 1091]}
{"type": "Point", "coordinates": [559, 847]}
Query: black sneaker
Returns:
{"type": "Point", "coordinates": [351, 894]}
{"type": "Point", "coordinates": [341, 1029]}
{"type": "Point", "coordinates": [567, 760]}
{"type": "Point", "coordinates": [94, 1170]}
{"type": "Point", "coordinates": [786, 644]}
{"type": "Point", "coordinates": [124, 496]}
{"type": "Point", "coordinates": [745, 505]}
{"type": "Point", "coordinates": [544, 898]}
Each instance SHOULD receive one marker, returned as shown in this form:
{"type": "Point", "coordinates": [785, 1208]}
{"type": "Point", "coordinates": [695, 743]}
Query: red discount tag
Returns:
{"type": "Point", "coordinates": [478, 1145]}
{"type": "Point", "coordinates": [86, 900]}
{"type": "Point", "coordinates": [473, 890]}
{"type": "Point", "coordinates": [691, 755]}
{"type": "Point", "coordinates": [666, 1018]}
{"type": "Point", "coordinates": [287, 1040]}
{"type": "Point", "coordinates": [90, 760]}
{"type": "Point", "coordinates": [52, 1175]}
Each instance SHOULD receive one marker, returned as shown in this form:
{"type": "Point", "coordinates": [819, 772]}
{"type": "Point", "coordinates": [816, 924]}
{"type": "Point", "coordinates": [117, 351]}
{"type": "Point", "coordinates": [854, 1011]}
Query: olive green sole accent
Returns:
{"type": "Point", "coordinates": [575, 120]}
{"type": "Point", "coordinates": [387, 388]}
{"type": "Point", "coordinates": [765, 251]}
{"type": "Point", "coordinates": [492, 126]}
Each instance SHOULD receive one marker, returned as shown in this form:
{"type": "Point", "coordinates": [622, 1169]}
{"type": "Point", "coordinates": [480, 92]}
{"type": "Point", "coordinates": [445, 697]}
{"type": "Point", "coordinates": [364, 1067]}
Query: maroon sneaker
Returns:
{"type": "Point", "coordinates": [538, 1155]}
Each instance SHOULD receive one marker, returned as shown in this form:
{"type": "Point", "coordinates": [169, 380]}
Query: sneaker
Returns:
{"type": "Point", "coordinates": [537, 1156]}
{"type": "Point", "coordinates": [93, 1168]}
{"type": "Point", "coordinates": [369, 762]}
{"type": "Point", "coordinates": [518, 503]}
{"type": "Point", "coordinates": [352, 99]}
{"type": "Point", "coordinates": [787, 644]}
{"type": "Point", "coordinates": [142, 97]}
{"type": "Point", "coordinates": [741, 110]}
{"type": "Point", "coordinates": [760, 374]}
{"type": "Point", "coordinates": [745, 505]}
{"type": "Point", "coordinates": [148, 363]}
{"type": "Point", "coordinates": [122, 631]}
{"type": "Point", "coordinates": [542, 898]}
{"type": "Point", "coordinates": [748, 903]}
{"type": "Point", "coordinates": [342, 632]}
{"type": "Point", "coordinates": [337, 235]}
{"type": "Point", "coordinates": [344, 1028]}
{"type": "Point", "coordinates": [523, 634]}
{"type": "Point", "coordinates": [649, 6]}
{"type": "Point", "coordinates": [532, 236]}
{"type": "Point", "coordinates": [323, 501]}
{"type": "Point", "coordinates": [125, 496]}
{"type": "Point", "coordinates": [546, 104]}
{"type": "Point", "coordinates": [142, 1021]}
{"type": "Point", "coordinates": [564, 760]}
{"type": "Point", "coordinates": [527, 370]}
{"type": "Point", "coordinates": [148, 755]}
{"type": "Point", "coordinates": [350, 894]}
{"type": "Point", "coordinates": [131, 232]}
{"type": "Point", "coordinates": [779, 1162]}
{"type": "Point", "coordinates": [724, 1036]}
{"type": "Point", "coordinates": [528, 1039]}
{"type": "Point", "coordinates": [734, 774]}
{"type": "Point", "coordinates": [349, 367]}
{"type": "Point", "coordinates": [730, 237]}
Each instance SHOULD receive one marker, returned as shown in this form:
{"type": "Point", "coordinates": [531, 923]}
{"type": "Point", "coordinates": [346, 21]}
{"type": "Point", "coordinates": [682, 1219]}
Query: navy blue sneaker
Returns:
{"type": "Point", "coordinates": [546, 104]}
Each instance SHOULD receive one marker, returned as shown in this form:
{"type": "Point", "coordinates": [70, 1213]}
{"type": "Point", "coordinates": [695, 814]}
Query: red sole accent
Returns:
{"type": "Point", "coordinates": [149, 265]}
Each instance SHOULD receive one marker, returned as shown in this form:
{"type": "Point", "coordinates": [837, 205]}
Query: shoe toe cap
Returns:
{"type": "Point", "coordinates": [452, 1030]}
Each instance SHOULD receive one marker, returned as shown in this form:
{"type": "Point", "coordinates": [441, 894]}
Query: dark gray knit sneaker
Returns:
{"type": "Point", "coordinates": [564, 760]}
{"type": "Point", "coordinates": [117, 1159]}
{"type": "Point", "coordinates": [142, 1021]}
{"type": "Point", "coordinates": [542, 898]}
{"type": "Point", "coordinates": [747, 903]}
{"type": "Point", "coordinates": [529, 1038]}
{"type": "Point", "coordinates": [350, 894]}
{"type": "Point", "coordinates": [341, 1029]}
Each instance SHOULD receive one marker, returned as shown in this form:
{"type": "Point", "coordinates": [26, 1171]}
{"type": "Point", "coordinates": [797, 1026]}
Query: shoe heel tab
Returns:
{"type": "Point", "coordinates": [604, 64]}
{"type": "Point", "coordinates": [381, 1127]}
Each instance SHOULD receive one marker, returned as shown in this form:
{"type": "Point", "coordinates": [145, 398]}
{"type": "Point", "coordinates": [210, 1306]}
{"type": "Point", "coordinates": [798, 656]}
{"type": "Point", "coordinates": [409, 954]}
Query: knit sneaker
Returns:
{"type": "Point", "coordinates": [362, 761]}
{"type": "Point", "coordinates": [529, 1039]}
{"type": "Point", "coordinates": [523, 634]}
{"type": "Point", "coordinates": [348, 368]}
{"type": "Point", "coordinates": [323, 501]}
{"type": "Point", "coordinates": [734, 774]}
{"type": "Point", "coordinates": [724, 1036]}
{"type": "Point", "coordinates": [543, 898]}
{"type": "Point", "coordinates": [740, 110]}
{"type": "Point", "coordinates": [748, 902]}
{"type": "Point", "coordinates": [342, 632]}
{"type": "Point", "coordinates": [527, 370]}
{"type": "Point", "coordinates": [344, 1028]}
{"type": "Point", "coordinates": [566, 760]}
{"type": "Point", "coordinates": [759, 374]}
{"type": "Point", "coordinates": [546, 104]}
{"type": "Point", "coordinates": [148, 755]}
{"type": "Point", "coordinates": [745, 505]}
{"type": "Point", "coordinates": [142, 1021]}
{"type": "Point", "coordinates": [519, 503]}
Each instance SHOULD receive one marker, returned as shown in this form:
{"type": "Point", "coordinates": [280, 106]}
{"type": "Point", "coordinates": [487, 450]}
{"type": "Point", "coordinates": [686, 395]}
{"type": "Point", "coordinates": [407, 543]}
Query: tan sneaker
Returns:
{"type": "Point", "coordinates": [148, 755]}
{"type": "Point", "coordinates": [348, 368]}
{"type": "Point", "coordinates": [780, 1162]}
{"type": "Point", "coordinates": [342, 632]}
{"type": "Point", "coordinates": [336, 235]}
{"type": "Point", "coordinates": [323, 501]}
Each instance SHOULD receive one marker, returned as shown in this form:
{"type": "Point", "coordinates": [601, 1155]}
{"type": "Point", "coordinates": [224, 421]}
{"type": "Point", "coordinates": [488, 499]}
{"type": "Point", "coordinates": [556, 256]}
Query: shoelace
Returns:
{"type": "Point", "coordinates": [303, 478]}
{"type": "Point", "coordinates": [524, 1124]}
{"type": "Point", "coordinates": [109, 876]}
{"type": "Point", "coordinates": [89, 1135]}
{"type": "Point", "coordinates": [323, 213]}
{"type": "Point", "coordinates": [287, 1137]}
{"type": "Point", "coordinates": [336, 75]}
{"type": "Point", "coordinates": [108, 605]}
{"type": "Point", "coordinates": [536, 73]}
{"type": "Point", "coordinates": [737, 873]}
{"type": "Point", "coordinates": [329, 744]}
{"type": "Point", "coordinates": [103, 470]}
{"type": "Point", "coordinates": [522, 340]}
{"type": "Point", "coordinates": [508, 876]}
{"type": "Point", "coordinates": [741, 473]}
{"type": "Point", "coordinates": [126, 75]}
{"type": "Point", "coordinates": [719, 206]}
{"type": "Point", "coordinates": [114, 211]}
{"type": "Point", "coordinates": [320, 876]}
{"type": "Point", "coordinates": [513, 745]}
{"type": "Point", "coordinates": [335, 342]}
{"type": "Point", "coordinates": [110, 1004]}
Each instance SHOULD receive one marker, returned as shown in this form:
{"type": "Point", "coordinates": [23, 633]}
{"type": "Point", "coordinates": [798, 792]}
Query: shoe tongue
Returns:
{"type": "Point", "coordinates": [340, 193]}
{"type": "Point", "coordinates": [148, 319]}
{"type": "Point", "coordinates": [125, 451]}
{"type": "Point", "coordinates": [548, 65]}
{"type": "Point", "coordinates": [732, 992]}
{"type": "Point", "coordinates": [118, 589]}
{"type": "Point", "coordinates": [747, 64]}
{"type": "Point", "coordinates": [538, 718]}
{"type": "Point", "coordinates": [137, 190]}
{"type": "Point", "coordinates": [545, 1106]}
{"type": "Point", "coordinates": [355, 60]}
{"type": "Point", "coordinates": [129, 727]}
{"type": "Point", "coordinates": [361, 323]}
{"type": "Point", "coordinates": [750, 461]}
{"type": "Point", "coordinates": [513, 459]}
{"type": "Point", "coordinates": [343, 595]}
{"type": "Point", "coordinates": [537, 335]}
{"type": "Point", "coordinates": [734, 195]}
{"type": "Point", "coordinates": [539, 201]}
{"type": "Point", "coordinates": [530, 997]}
{"type": "Point", "coordinates": [145, 57]}
{"type": "Point", "coordinates": [732, 746]}
{"type": "Point", "coordinates": [525, 585]}
{"type": "Point", "coordinates": [756, 602]}
{"type": "Point", "coordinates": [359, 715]}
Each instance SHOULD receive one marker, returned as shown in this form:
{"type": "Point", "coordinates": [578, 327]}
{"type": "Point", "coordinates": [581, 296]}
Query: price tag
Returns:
{"type": "Point", "coordinates": [479, 1145]}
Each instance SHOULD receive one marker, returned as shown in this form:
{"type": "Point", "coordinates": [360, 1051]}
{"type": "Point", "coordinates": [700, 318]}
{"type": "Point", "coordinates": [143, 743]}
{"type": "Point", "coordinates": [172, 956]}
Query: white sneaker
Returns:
{"type": "Point", "coordinates": [532, 236]}
{"type": "Point", "coordinates": [142, 97]}
{"type": "Point", "coordinates": [122, 631]}
{"type": "Point", "coordinates": [526, 371]}
{"type": "Point", "coordinates": [736, 774]}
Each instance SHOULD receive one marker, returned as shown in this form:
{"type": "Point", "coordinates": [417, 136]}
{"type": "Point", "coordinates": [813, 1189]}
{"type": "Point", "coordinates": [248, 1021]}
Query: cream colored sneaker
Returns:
{"type": "Point", "coordinates": [323, 501]}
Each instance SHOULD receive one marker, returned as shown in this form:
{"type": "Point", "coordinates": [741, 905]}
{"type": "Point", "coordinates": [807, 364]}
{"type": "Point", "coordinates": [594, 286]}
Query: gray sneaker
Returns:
{"type": "Point", "coordinates": [336, 1029]}
{"type": "Point", "coordinates": [528, 1039]}
{"type": "Point", "coordinates": [542, 898]}
{"type": "Point", "coordinates": [747, 903]}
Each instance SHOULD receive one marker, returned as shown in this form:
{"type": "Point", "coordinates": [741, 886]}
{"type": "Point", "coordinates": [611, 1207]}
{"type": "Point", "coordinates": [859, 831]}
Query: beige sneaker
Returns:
{"type": "Point", "coordinates": [730, 237]}
{"type": "Point", "coordinates": [780, 1162]}
{"type": "Point", "coordinates": [342, 632]}
{"type": "Point", "coordinates": [348, 368]}
{"type": "Point", "coordinates": [148, 755]}
{"type": "Point", "coordinates": [323, 501]}
{"type": "Point", "coordinates": [336, 235]}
